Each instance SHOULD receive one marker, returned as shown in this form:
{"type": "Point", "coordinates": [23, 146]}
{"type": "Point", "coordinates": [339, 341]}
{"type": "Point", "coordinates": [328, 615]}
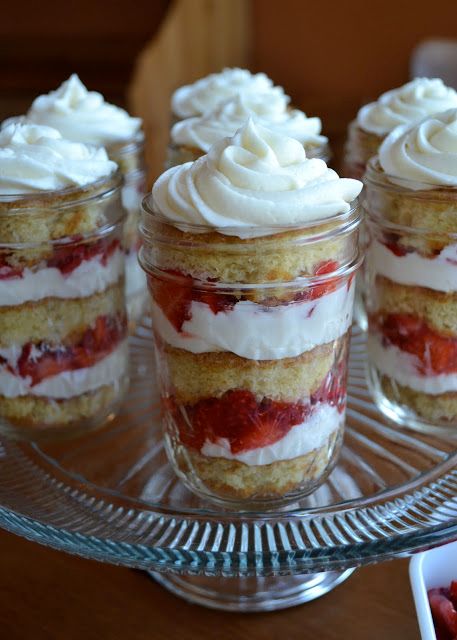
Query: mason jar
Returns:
{"type": "Point", "coordinates": [130, 158]}
{"type": "Point", "coordinates": [411, 297]}
{"type": "Point", "coordinates": [63, 322]}
{"type": "Point", "coordinates": [251, 340]}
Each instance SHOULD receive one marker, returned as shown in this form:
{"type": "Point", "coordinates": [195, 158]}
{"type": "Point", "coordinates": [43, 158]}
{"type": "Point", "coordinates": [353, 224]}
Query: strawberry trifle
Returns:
{"type": "Point", "coordinates": [405, 105]}
{"type": "Point", "coordinates": [84, 116]}
{"type": "Point", "coordinates": [411, 284]}
{"type": "Point", "coordinates": [193, 137]}
{"type": "Point", "coordinates": [250, 253]}
{"type": "Point", "coordinates": [63, 350]}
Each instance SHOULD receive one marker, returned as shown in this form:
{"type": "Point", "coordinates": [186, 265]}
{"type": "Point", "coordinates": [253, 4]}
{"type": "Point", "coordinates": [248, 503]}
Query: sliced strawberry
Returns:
{"type": "Point", "coordinates": [239, 418]}
{"type": "Point", "coordinates": [444, 614]}
{"type": "Point", "coordinates": [217, 302]}
{"type": "Point", "coordinates": [68, 257]}
{"type": "Point", "coordinates": [174, 298]}
{"type": "Point", "coordinates": [437, 354]}
{"type": "Point", "coordinates": [43, 360]}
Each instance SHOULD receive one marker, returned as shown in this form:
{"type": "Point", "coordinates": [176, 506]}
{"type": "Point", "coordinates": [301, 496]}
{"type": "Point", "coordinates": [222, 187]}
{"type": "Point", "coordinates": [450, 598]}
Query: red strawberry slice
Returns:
{"type": "Point", "coordinates": [174, 298]}
{"type": "Point", "coordinates": [437, 354]}
{"type": "Point", "coordinates": [238, 417]}
{"type": "Point", "coordinates": [444, 614]}
{"type": "Point", "coordinates": [47, 360]}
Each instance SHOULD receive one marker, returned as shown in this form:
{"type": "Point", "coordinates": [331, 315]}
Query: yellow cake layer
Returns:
{"type": "Point", "coordinates": [433, 408]}
{"type": "Point", "coordinates": [193, 377]}
{"type": "Point", "coordinates": [228, 259]}
{"type": "Point", "coordinates": [236, 480]}
{"type": "Point", "coordinates": [55, 319]}
{"type": "Point", "coordinates": [42, 217]}
{"type": "Point", "coordinates": [436, 308]}
{"type": "Point", "coordinates": [32, 412]}
{"type": "Point", "coordinates": [432, 209]}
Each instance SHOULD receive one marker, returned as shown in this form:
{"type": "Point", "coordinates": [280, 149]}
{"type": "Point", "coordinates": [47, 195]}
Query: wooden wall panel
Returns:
{"type": "Point", "coordinates": [333, 56]}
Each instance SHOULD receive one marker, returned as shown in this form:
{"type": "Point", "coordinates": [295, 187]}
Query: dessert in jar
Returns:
{"type": "Point", "coordinates": [63, 323]}
{"type": "Point", "coordinates": [411, 273]}
{"type": "Point", "coordinates": [405, 105]}
{"type": "Point", "coordinates": [250, 253]}
{"type": "Point", "coordinates": [402, 106]}
{"type": "Point", "coordinates": [84, 116]}
{"type": "Point", "coordinates": [204, 95]}
{"type": "Point", "coordinates": [193, 137]}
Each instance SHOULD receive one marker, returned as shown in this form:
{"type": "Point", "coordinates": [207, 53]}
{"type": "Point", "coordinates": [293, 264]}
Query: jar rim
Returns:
{"type": "Point", "coordinates": [353, 215]}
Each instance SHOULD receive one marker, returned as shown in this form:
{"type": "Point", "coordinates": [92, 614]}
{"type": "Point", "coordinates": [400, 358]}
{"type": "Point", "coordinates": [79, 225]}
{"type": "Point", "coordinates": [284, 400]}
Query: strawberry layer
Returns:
{"type": "Point", "coordinates": [70, 383]}
{"type": "Point", "coordinates": [24, 369]}
{"type": "Point", "coordinates": [311, 434]}
{"type": "Point", "coordinates": [65, 275]}
{"type": "Point", "coordinates": [406, 368]}
{"type": "Point", "coordinates": [258, 332]}
{"type": "Point", "coordinates": [238, 422]}
{"type": "Point", "coordinates": [408, 267]}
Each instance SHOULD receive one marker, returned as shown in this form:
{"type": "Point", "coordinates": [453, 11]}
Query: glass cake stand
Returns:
{"type": "Point", "coordinates": [112, 496]}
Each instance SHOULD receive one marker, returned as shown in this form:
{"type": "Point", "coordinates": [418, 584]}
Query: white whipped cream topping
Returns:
{"type": "Point", "coordinates": [83, 116]}
{"type": "Point", "coordinates": [255, 179]}
{"type": "Point", "coordinates": [406, 105]}
{"type": "Point", "coordinates": [253, 331]}
{"type": "Point", "coordinates": [403, 367]}
{"type": "Point", "coordinates": [224, 121]}
{"type": "Point", "coordinates": [68, 383]}
{"type": "Point", "coordinates": [37, 158]}
{"type": "Point", "coordinates": [203, 95]}
{"type": "Point", "coordinates": [425, 153]}
{"type": "Point", "coordinates": [438, 273]}
{"type": "Point", "coordinates": [90, 277]}
{"type": "Point", "coordinates": [300, 440]}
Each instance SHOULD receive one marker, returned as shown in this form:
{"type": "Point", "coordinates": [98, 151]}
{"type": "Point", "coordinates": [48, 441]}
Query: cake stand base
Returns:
{"type": "Point", "coordinates": [251, 594]}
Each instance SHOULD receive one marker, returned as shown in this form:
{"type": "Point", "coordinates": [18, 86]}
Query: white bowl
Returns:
{"type": "Point", "coordinates": [434, 568]}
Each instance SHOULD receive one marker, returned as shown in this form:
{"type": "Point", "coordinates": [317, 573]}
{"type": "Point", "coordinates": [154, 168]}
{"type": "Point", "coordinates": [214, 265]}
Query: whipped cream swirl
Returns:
{"type": "Point", "coordinates": [406, 105]}
{"type": "Point", "coordinates": [204, 95]}
{"type": "Point", "coordinates": [255, 180]}
{"type": "Point", "coordinates": [37, 158]}
{"type": "Point", "coordinates": [83, 115]}
{"type": "Point", "coordinates": [425, 153]}
{"type": "Point", "coordinates": [225, 120]}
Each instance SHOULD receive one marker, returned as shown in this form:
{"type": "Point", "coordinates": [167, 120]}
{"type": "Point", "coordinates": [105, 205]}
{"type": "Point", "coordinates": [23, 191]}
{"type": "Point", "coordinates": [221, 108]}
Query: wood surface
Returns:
{"type": "Point", "coordinates": [49, 595]}
{"type": "Point", "coordinates": [197, 37]}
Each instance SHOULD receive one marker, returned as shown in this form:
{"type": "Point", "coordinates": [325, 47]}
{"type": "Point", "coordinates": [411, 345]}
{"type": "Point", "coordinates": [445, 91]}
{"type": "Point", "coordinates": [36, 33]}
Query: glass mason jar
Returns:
{"type": "Point", "coordinates": [130, 158]}
{"type": "Point", "coordinates": [63, 325]}
{"type": "Point", "coordinates": [411, 297]}
{"type": "Point", "coordinates": [179, 154]}
{"type": "Point", "coordinates": [251, 340]}
{"type": "Point", "coordinates": [360, 146]}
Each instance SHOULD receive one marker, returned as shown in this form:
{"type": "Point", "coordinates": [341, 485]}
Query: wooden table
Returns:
{"type": "Point", "coordinates": [47, 595]}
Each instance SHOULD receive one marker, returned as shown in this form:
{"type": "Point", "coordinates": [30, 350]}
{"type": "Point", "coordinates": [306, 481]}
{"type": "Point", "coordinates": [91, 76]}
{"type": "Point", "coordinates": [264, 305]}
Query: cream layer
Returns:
{"type": "Point", "coordinates": [91, 276]}
{"type": "Point", "coordinates": [256, 332]}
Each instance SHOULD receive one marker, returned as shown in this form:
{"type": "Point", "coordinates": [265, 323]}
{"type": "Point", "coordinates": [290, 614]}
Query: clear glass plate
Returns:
{"type": "Point", "coordinates": [112, 496]}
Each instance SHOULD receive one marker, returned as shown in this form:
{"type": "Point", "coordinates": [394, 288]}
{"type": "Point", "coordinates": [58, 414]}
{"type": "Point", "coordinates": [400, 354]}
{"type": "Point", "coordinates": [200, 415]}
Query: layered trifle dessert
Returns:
{"type": "Point", "coordinates": [411, 279]}
{"type": "Point", "coordinates": [250, 254]}
{"type": "Point", "coordinates": [63, 349]}
{"type": "Point", "coordinates": [84, 116]}
{"type": "Point", "coordinates": [193, 137]}
{"type": "Point", "coordinates": [405, 105]}
{"type": "Point", "coordinates": [204, 95]}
